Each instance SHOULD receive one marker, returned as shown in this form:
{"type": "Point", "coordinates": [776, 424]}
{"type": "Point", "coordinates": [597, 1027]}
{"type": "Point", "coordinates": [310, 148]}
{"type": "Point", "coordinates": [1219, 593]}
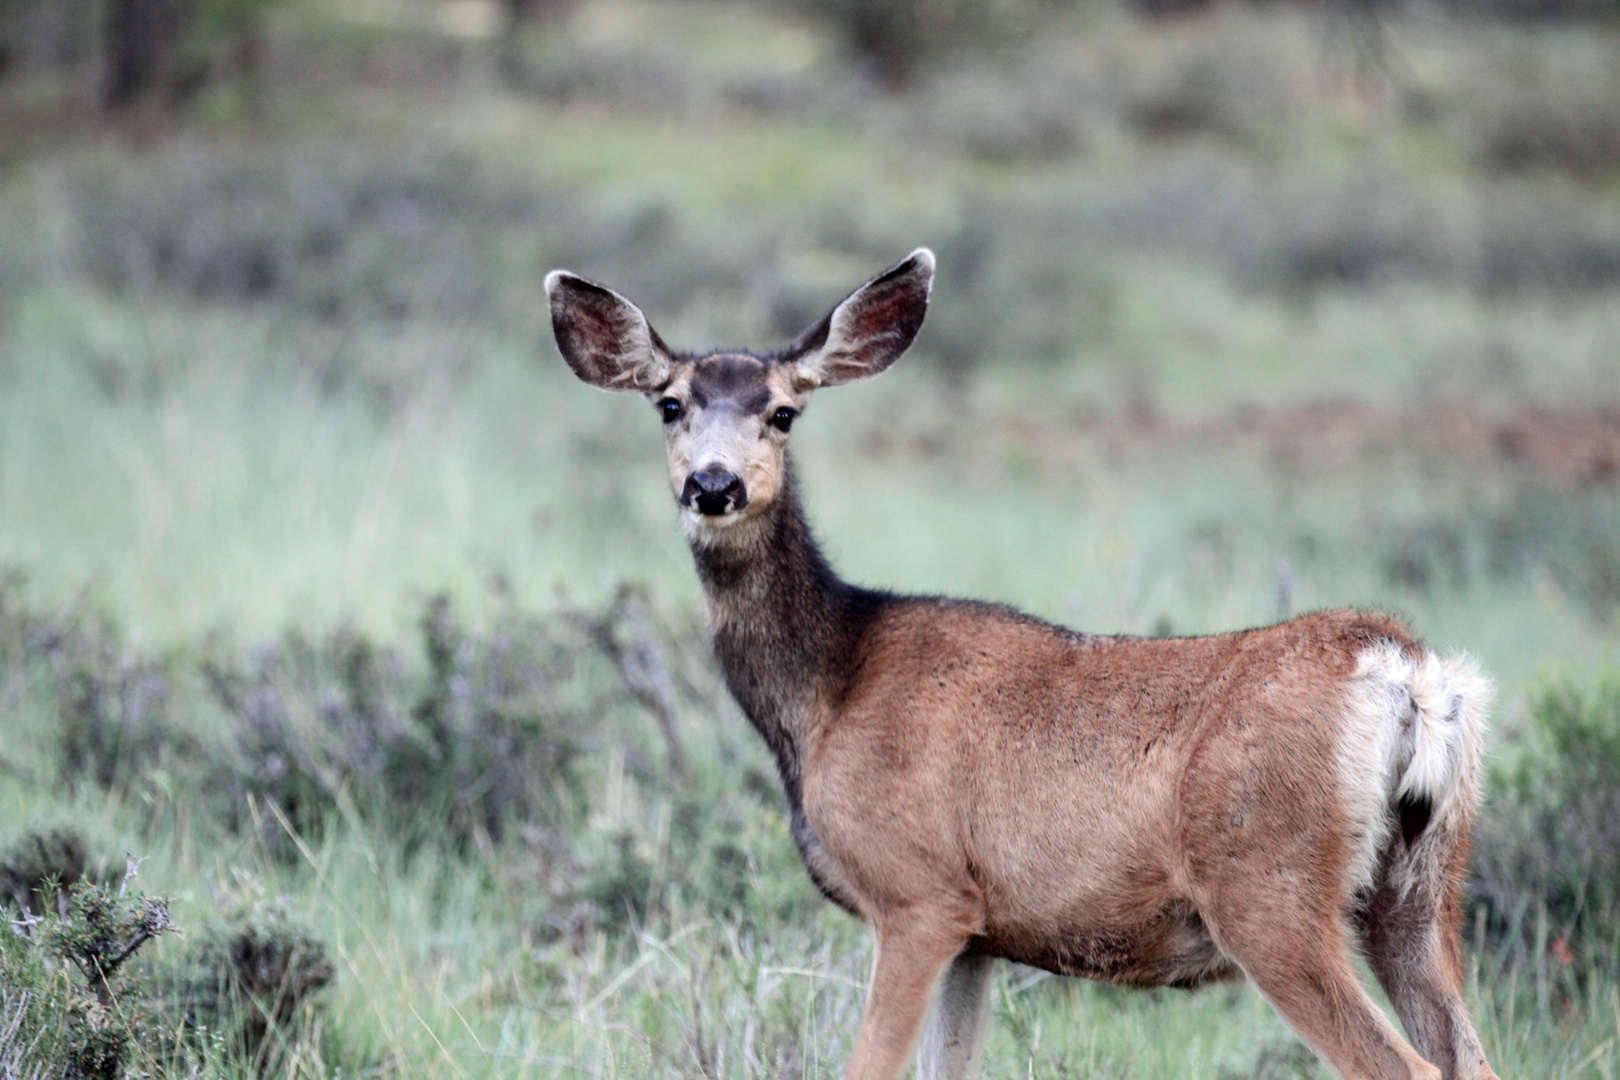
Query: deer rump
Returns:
{"type": "Point", "coordinates": [1093, 797]}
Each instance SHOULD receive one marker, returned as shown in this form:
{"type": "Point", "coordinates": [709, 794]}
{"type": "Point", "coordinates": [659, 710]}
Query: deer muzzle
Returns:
{"type": "Point", "coordinates": [714, 492]}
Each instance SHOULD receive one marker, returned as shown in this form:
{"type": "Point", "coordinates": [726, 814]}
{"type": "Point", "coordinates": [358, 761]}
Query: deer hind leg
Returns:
{"type": "Point", "coordinates": [912, 950]}
{"type": "Point", "coordinates": [1411, 943]}
{"type": "Point", "coordinates": [955, 1032]}
{"type": "Point", "coordinates": [1298, 959]}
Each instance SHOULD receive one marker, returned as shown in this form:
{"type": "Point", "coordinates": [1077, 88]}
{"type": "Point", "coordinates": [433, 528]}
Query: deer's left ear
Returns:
{"type": "Point", "coordinates": [604, 337]}
{"type": "Point", "coordinates": [869, 330]}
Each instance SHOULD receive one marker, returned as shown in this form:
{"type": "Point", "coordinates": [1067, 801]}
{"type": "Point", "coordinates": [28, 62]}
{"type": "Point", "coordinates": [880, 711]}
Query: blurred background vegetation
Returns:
{"type": "Point", "coordinates": [325, 588]}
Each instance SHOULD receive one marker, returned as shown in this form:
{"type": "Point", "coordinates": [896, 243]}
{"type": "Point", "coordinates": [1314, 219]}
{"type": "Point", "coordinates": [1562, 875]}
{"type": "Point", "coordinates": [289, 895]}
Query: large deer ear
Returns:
{"type": "Point", "coordinates": [604, 337]}
{"type": "Point", "coordinates": [869, 330]}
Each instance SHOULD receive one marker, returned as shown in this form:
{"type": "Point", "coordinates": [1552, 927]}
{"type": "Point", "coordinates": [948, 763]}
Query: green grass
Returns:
{"type": "Point", "coordinates": [233, 491]}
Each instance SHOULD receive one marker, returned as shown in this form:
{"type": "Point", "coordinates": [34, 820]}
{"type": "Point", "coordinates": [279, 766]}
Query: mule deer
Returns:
{"type": "Point", "coordinates": [975, 783]}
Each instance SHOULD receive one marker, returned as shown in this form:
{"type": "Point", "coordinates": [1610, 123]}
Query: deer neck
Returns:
{"type": "Point", "coordinates": [786, 628]}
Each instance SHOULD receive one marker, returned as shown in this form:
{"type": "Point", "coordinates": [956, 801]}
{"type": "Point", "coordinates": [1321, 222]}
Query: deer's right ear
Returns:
{"type": "Point", "coordinates": [604, 337]}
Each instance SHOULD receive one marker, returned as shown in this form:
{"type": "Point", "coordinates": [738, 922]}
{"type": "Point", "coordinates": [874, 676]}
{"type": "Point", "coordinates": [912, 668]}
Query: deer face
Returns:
{"type": "Point", "coordinates": [726, 421]}
{"type": "Point", "coordinates": [727, 415]}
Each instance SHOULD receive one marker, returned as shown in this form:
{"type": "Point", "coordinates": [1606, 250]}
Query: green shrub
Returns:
{"type": "Point", "coordinates": [1566, 124]}
{"type": "Point", "coordinates": [111, 705]}
{"type": "Point", "coordinates": [111, 702]}
{"type": "Point", "coordinates": [478, 733]}
{"type": "Point", "coordinates": [1228, 82]}
{"type": "Point", "coordinates": [487, 737]}
{"type": "Point", "coordinates": [101, 932]}
{"type": "Point", "coordinates": [1375, 228]}
{"type": "Point", "coordinates": [482, 731]}
{"type": "Point", "coordinates": [1539, 9]}
{"type": "Point", "coordinates": [249, 985]}
{"type": "Point", "coordinates": [37, 35]}
{"type": "Point", "coordinates": [1575, 537]}
{"type": "Point", "coordinates": [1571, 537]}
{"type": "Point", "coordinates": [897, 39]}
{"type": "Point", "coordinates": [333, 233]}
{"type": "Point", "coordinates": [1547, 854]}
{"type": "Point", "coordinates": [75, 1003]}
{"type": "Point", "coordinates": [1538, 243]}
{"type": "Point", "coordinates": [35, 1010]}
{"type": "Point", "coordinates": [1287, 1059]}
{"type": "Point", "coordinates": [39, 870]}
{"type": "Point", "coordinates": [1043, 110]}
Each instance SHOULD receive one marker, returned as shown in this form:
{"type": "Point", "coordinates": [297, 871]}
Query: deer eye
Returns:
{"type": "Point", "coordinates": [782, 418]}
{"type": "Point", "coordinates": [670, 410]}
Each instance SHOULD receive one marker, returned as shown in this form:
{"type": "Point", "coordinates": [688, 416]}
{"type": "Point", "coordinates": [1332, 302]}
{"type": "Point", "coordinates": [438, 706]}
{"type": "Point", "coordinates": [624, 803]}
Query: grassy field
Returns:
{"type": "Point", "coordinates": [1229, 325]}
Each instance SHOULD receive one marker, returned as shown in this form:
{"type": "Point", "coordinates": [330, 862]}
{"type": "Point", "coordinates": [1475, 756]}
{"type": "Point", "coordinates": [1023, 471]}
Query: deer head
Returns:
{"type": "Point", "coordinates": [727, 414]}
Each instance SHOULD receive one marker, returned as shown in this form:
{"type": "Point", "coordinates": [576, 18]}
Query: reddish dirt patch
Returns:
{"type": "Point", "coordinates": [31, 126]}
{"type": "Point", "coordinates": [1577, 449]}
{"type": "Point", "coordinates": [1566, 446]}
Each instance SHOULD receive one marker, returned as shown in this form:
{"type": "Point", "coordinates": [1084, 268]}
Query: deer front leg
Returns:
{"type": "Point", "coordinates": [912, 950]}
{"type": "Point", "coordinates": [955, 1032]}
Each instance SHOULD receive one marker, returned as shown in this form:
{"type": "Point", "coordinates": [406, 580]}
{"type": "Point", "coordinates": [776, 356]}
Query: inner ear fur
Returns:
{"type": "Point", "coordinates": [605, 338]}
{"type": "Point", "coordinates": [866, 333]}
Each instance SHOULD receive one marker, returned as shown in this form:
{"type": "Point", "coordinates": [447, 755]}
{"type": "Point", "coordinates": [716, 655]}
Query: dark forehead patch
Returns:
{"type": "Point", "coordinates": [731, 377]}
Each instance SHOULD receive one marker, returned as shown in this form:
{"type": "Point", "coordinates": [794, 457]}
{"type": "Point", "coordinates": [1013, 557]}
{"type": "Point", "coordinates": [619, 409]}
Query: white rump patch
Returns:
{"type": "Point", "coordinates": [1414, 729]}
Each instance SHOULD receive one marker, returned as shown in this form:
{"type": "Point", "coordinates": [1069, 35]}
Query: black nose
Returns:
{"type": "Point", "coordinates": [714, 491]}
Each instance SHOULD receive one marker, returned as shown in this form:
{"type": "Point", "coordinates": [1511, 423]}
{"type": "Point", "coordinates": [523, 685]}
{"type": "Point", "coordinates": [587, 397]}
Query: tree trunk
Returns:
{"type": "Point", "coordinates": [538, 11]}
{"type": "Point", "coordinates": [139, 48]}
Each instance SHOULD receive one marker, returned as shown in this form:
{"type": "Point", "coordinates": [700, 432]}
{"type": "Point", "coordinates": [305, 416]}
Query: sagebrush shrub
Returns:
{"type": "Point", "coordinates": [249, 984]}
{"type": "Point", "coordinates": [1547, 852]}
{"type": "Point", "coordinates": [896, 39]}
{"type": "Point", "coordinates": [39, 870]}
{"type": "Point", "coordinates": [486, 737]}
{"type": "Point", "coordinates": [1568, 124]}
{"type": "Point", "coordinates": [34, 1010]}
{"type": "Point", "coordinates": [1573, 538]}
{"type": "Point", "coordinates": [101, 932]}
